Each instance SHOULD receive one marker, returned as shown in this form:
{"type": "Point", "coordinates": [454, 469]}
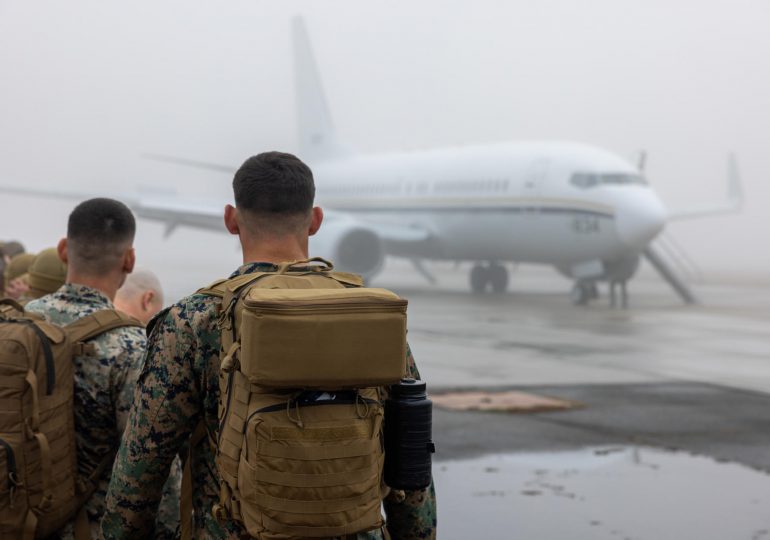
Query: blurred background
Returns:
{"type": "Point", "coordinates": [88, 87]}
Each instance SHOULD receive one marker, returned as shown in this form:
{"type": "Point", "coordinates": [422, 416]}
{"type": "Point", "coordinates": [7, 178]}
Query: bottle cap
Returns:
{"type": "Point", "coordinates": [408, 387]}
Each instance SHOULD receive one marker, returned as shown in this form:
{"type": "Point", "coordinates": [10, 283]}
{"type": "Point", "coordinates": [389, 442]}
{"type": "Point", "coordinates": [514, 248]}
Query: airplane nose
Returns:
{"type": "Point", "coordinates": [641, 220]}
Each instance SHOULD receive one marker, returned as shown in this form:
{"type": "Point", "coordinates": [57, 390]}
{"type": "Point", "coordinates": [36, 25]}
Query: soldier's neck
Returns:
{"type": "Point", "coordinates": [108, 285]}
{"type": "Point", "coordinates": [275, 249]}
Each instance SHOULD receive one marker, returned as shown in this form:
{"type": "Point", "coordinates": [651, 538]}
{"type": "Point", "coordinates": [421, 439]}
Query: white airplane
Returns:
{"type": "Point", "coordinates": [579, 208]}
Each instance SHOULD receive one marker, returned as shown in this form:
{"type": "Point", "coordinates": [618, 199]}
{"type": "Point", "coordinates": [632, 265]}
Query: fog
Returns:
{"type": "Point", "coordinates": [88, 87]}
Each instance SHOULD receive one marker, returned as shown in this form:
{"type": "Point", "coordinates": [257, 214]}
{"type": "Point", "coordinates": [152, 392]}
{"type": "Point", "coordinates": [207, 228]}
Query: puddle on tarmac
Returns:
{"type": "Point", "coordinates": [612, 493]}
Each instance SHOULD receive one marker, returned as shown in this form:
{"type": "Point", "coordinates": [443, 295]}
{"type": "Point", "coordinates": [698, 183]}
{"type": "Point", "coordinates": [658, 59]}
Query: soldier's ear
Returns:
{"type": "Point", "coordinates": [129, 260]}
{"type": "Point", "coordinates": [61, 249]}
{"type": "Point", "coordinates": [231, 221]}
{"type": "Point", "coordinates": [147, 299]}
{"type": "Point", "coordinates": [316, 219]}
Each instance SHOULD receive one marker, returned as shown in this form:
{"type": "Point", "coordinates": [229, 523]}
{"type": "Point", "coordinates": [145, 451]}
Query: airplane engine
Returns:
{"type": "Point", "coordinates": [351, 246]}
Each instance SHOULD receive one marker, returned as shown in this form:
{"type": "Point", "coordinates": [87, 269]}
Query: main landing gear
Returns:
{"type": "Point", "coordinates": [583, 292]}
{"type": "Point", "coordinates": [493, 275]}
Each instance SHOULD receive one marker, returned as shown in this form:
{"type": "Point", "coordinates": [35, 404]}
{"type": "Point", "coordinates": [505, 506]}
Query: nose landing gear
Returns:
{"type": "Point", "coordinates": [494, 275]}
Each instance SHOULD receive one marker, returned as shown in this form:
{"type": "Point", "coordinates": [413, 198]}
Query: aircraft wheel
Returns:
{"type": "Point", "coordinates": [593, 291]}
{"type": "Point", "coordinates": [498, 277]}
{"type": "Point", "coordinates": [479, 279]}
{"type": "Point", "coordinates": [581, 293]}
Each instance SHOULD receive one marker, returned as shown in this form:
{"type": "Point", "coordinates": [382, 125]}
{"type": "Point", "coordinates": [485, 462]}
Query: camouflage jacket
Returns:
{"type": "Point", "coordinates": [177, 388]}
{"type": "Point", "coordinates": [104, 384]}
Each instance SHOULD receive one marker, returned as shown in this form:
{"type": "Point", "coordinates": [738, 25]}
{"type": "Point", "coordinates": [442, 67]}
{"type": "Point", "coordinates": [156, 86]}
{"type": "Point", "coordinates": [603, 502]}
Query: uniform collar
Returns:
{"type": "Point", "coordinates": [252, 267]}
{"type": "Point", "coordinates": [76, 292]}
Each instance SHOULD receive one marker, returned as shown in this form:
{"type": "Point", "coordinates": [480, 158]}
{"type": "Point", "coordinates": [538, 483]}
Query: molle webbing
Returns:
{"type": "Point", "coordinates": [303, 352]}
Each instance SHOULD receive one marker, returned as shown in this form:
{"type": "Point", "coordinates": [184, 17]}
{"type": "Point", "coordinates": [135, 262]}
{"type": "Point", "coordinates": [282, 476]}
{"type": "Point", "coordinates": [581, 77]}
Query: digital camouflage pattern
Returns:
{"type": "Point", "coordinates": [104, 390]}
{"type": "Point", "coordinates": [178, 386]}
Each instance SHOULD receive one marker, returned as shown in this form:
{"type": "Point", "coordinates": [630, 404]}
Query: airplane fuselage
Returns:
{"type": "Point", "coordinates": [503, 202]}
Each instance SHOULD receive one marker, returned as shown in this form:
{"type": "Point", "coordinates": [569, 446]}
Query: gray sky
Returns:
{"type": "Point", "coordinates": [88, 86]}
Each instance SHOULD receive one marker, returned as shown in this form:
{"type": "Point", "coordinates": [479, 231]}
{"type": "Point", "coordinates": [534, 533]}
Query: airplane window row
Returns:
{"type": "Point", "coordinates": [362, 189]}
{"type": "Point", "coordinates": [587, 180]}
{"type": "Point", "coordinates": [471, 185]}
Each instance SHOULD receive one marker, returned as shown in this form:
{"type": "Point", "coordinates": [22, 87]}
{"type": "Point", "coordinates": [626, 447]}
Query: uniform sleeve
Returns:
{"type": "Point", "coordinates": [415, 516]}
{"type": "Point", "coordinates": [125, 372]}
{"type": "Point", "coordinates": [164, 412]}
{"type": "Point", "coordinates": [167, 522]}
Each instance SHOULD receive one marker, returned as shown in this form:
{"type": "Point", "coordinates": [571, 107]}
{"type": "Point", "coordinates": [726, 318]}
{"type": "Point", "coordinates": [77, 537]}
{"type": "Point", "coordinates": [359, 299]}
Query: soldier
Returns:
{"type": "Point", "coordinates": [141, 296]}
{"type": "Point", "coordinates": [273, 217]}
{"type": "Point", "coordinates": [99, 254]}
{"type": "Point", "coordinates": [8, 250]}
{"type": "Point", "coordinates": [15, 268]}
{"type": "Point", "coordinates": [45, 275]}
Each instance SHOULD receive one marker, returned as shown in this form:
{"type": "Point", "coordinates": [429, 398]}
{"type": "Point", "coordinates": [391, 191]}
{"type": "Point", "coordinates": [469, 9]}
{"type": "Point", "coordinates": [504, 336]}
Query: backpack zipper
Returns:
{"type": "Point", "coordinates": [282, 406]}
{"type": "Point", "coordinates": [13, 479]}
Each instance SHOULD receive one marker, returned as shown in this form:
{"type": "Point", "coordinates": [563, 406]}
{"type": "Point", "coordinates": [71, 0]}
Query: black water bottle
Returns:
{"type": "Point", "coordinates": [408, 444]}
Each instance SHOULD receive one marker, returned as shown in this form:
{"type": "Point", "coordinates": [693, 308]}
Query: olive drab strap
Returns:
{"type": "Point", "coordinates": [98, 323]}
{"type": "Point", "coordinates": [9, 306]}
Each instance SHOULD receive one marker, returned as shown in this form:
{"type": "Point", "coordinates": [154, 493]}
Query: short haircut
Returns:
{"type": "Point", "coordinates": [139, 282]}
{"type": "Point", "coordinates": [98, 232]}
{"type": "Point", "coordinates": [275, 191]}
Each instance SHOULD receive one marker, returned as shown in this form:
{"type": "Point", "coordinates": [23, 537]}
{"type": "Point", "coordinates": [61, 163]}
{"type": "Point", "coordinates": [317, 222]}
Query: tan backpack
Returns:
{"type": "Point", "coordinates": [305, 355]}
{"type": "Point", "coordinates": [39, 487]}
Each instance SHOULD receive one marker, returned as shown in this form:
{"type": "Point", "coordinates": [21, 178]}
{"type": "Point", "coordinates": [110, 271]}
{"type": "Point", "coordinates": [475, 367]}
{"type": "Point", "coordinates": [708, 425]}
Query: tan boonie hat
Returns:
{"type": "Point", "coordinates": [46, 273]}
{"type": "Point", "coordinates": [18, 266]}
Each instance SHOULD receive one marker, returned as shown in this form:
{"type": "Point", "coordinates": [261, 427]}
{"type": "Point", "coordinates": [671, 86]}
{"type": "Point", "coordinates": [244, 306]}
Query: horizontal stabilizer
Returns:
{"type": "Point", "coordinates": [733, 204]}
{"type": "Point", "coordinates": [194, 163]}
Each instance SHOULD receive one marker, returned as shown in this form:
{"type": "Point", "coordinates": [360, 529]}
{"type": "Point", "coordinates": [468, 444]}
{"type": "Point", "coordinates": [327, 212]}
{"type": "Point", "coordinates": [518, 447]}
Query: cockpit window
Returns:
{"type": "Point", "coordinates": [587, 180]}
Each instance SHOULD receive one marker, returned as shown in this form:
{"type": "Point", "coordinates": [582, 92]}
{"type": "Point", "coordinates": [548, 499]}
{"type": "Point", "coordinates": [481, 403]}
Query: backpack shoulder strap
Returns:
{"type": "Point", "coordinates": [9, 306]}
{"type": "Point", "coordinates": [221, 286]}
{"type": "Point", "coordinates": [216, 288]}
{"type": "Point", "coordinates": [347, 279]}
{"type": "Point", "coordinates": [99, 322]}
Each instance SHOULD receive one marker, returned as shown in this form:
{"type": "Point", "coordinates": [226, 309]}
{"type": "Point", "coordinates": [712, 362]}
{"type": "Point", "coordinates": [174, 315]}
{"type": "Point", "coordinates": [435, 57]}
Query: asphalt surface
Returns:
{"type": "Point", "coordinates": [723, 423]}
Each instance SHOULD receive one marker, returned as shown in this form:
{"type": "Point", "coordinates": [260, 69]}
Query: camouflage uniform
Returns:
{"type": "Point", "coordinates": [179, 386]}
{"type": "Point", "coordinates": [104, 388]}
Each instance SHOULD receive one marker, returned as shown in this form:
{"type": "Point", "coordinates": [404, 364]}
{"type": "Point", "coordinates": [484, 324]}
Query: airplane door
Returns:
{"type": "Point", "coordinates": [533, 184]}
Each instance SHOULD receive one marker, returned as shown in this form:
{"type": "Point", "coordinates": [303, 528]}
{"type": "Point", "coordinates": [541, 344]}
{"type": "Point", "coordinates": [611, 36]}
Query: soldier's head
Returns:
{"type": "Point", "coordinates": [46, 273]}
{"type": "Point", "coordinates": [18, 266]}
{"type": "Point", "coordinates": [141, 296]}
{"type": "Point", "coordinates": [274, 194]}
{"type": "Point", "coordinates": [8, 250]}
{"type": "Point", "coordinates": [99, 243]}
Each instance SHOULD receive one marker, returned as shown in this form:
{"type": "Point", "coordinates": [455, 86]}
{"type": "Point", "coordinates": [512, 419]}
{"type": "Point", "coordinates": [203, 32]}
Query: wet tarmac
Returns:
{"type": "Point", "coordinates": [685, 389]}
{"type": "Point", "coordinates": [675, 398]}
{"type": "Point", "coordinates": [616, 492]}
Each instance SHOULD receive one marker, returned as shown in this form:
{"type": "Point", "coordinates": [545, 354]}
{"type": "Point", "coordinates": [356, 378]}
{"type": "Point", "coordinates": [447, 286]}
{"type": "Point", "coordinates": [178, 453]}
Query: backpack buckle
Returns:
{"type": "Point", "coordinates": [229, 363]}
{"type": "Point", "coordinates": [220, 513]}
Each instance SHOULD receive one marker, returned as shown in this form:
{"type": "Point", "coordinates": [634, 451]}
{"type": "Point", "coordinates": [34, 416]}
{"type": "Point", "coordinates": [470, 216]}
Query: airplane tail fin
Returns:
{"type": "Point", "coordinates": [317, 136]}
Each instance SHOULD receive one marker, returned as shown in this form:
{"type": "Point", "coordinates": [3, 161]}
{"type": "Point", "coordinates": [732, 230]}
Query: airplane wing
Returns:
{"type": "Point", "coordinates": [177, 212]}
{"type": "Point", "coordinates": [733, 204]}
{"type": "Point", "coordinates": [354, 244]}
